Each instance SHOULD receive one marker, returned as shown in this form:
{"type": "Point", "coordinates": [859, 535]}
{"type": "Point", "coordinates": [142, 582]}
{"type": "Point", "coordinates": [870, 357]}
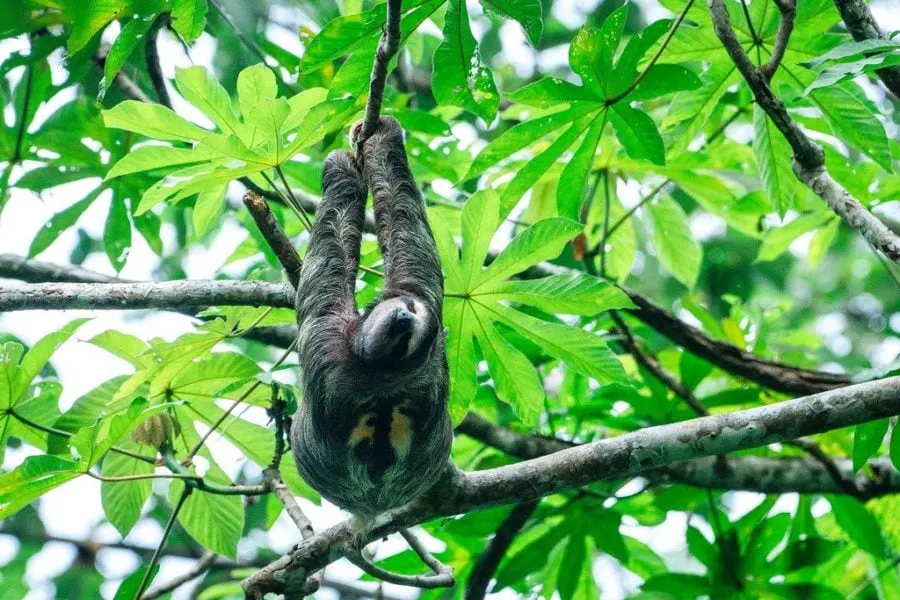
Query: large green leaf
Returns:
{"type": "Point", "coordinates": [678, 252]}
{"type": "Point", "coordinates": [526, 12]}
{"type": "Point", "coordinates": [123, 500]}
{"type": "Point", "coordinates": [153, 121]}
{"type": "Point", "coordinates": [460, 78]}
{"type": "Point", "coordinates": [859, 524]}
{"type": "Point", "coordinates": [867, 440]}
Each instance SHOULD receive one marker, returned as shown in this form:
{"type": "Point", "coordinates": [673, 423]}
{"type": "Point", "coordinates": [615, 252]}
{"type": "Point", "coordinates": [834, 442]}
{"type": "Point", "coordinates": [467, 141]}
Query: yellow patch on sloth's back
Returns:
{"type": "Point", "coordinates": [364, 430]}
{"type": "Point", "coordinates": [401, 432]}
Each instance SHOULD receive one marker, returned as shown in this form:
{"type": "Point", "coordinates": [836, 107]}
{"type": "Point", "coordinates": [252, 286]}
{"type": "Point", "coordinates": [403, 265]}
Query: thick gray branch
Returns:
{"type": "Point", "coordinates": [626, 455]}
{"type": "Point", "coordinates": [170, 295]}
{"type": "Point", "coordinates": [746, 473]}
{"type": "Point", "coordinates": [862, 26]}
{"type": "Point", "coordinates": [809, 160]}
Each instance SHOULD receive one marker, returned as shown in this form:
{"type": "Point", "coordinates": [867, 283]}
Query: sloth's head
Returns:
{"type": "Point", "coordinates": [393, 330]}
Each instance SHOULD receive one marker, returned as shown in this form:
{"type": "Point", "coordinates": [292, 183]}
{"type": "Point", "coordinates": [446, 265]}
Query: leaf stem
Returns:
{"type": "Point", "coordinates": [145, 581]}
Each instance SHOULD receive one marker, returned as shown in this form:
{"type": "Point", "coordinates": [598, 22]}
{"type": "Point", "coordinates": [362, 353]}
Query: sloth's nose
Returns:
{"type": "Point", "coordinates": [402, 321]}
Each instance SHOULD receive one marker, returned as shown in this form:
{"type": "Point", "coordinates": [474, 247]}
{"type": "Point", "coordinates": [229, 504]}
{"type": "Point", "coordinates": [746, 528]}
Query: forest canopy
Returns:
{"type": "Point", "coordinates": [669, 232]}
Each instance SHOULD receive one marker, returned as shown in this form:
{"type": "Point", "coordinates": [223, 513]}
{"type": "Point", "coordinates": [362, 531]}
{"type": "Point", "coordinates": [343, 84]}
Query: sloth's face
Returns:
{"type": "Point", "coordinates": [392, 330]}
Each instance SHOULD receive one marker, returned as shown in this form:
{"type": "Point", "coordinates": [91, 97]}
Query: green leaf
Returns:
{"type": "Point", "coordinates": [850, 49]}
{"type": "Point", "coordinates": [662, 80]}
{"type": "Point", "coordinates": [39, 355]}
{"type": "Point", "coordinates": [58, 223]}
{"type": "Point", "coordinates": [123, 500]}
{"type": "Point", "coordinates": [867, 439]}
{"type": "Point", "coordinates": [448, 251]}
{"type": "Point", "coordinates": [859, 524]}
{"type": "Point", "coordinates": [117, 233]}
{"type": "Point", "coordinates": [775, 242]}
{"type": "Point", "coordinates": [821, 241]}
{"type": "Point", "coordinates": [132, 35]}
{"type": "Point", "coordinates": [200, 88]}
{"type": "Point", "coordinates": [460, 78]}
{"type": "Point", "coordinates": [207, 208]}
{"type": "Point", "coordinates": [255, 85]}
{"type": "Point", "coordinates": [146, 158]}
{"type": "Point", "coordinates": [10, 354]}
{"type": "Point", "coordinates": [131, 585]}
{"type": "Point", "coordinates": [591, 52]}
{"type": "Point", "coordinates": [583, 351]}
{"type": "Point", "coordinates": [637, 133]}
{"type": "Point", "coordinates": [550, 91]}
{"type": "Point", "coordinates": [542, 241]}
{"type": "Point", "coordinates": [626, 69]}
{"type": "Point", "coordinates": [528, 175]}
{"type": "Point", "coordinates": [342, 35]}
{"type": "Point", "coordinates": [570, 191]}
{"type": "Point", "coordinates": [854, 123]}
{"type": "Point", "coordinates": [460, 321]}
{"type": "Point", "coordinates": [480, 217]}
{"type": "Point", "coordinates": [188, 18]}
{"type": "Point", "coordinates": [301, 104]}
{"type": "Point", "coordinates": [773, 159]}
{"type": "Point", "coordinates": [515, 379]}
{"type": "Point", "coordinates": [36, 476]}
{"type": "Point", "coordinates": [894, 450]}
{"type": "Point", "coordinates": [213, 520]}
{"type": "Point", "coordinates": [526, 12]}
{"type": "Point", "coordinates": [524, 134]}
{"type": "Point", "coordinates": [678, 251]}
{"type": "Point", "coordinates": [570, 294]}
{"type": "Point", "coordinates": [153, 121]}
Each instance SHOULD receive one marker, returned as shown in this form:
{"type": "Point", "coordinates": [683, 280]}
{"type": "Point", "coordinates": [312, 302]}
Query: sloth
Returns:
{"type": "Point", "coordinates": [373, 430]}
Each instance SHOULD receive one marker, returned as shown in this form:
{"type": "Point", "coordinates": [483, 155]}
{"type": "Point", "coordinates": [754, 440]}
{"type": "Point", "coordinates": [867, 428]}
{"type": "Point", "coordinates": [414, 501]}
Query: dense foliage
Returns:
{"type": "Point", "coordinates": [573, 157]}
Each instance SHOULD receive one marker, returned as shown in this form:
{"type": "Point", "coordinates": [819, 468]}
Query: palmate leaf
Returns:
{"type": "Point", "coordinates": [271, 132]}
{"type": "Point", "coordinates": [589, 109]}
{"type": "Point", "coordinates": [476, 309]}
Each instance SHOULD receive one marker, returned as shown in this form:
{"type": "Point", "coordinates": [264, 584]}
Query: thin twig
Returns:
{"type": "Point", "coordinates": [145, 581]}
{"type": "Point", "coordinates": [649, 362]}
{"type": "Point", "coordinates": [487, 563]}
{"type": "Point", "coordinates": [273, 233]}
{"type": "Point", "coordinates": [788, 10]}
{"type": "Point", "coordinates": [427, 582]}
{"type": "Point", "coordinates": [154, 66]}
{"type": "Point", "coordinates": [656, 55]}
{"type": "Point", "coordinates": [387, 48]}
{"type": "Point", "coordinates": [200, 567]}
{"type": "Point", "coordinates": [427, 557]}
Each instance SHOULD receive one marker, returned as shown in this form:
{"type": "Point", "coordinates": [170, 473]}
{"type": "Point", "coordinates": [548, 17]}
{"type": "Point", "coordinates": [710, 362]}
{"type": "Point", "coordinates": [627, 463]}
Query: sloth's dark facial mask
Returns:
{"type": "Point", "coordinates": [392, 330]}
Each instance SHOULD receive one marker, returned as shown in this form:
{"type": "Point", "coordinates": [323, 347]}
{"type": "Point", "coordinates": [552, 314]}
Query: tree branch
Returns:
{"type": "Point", "coordinates": [809, 160]}
{"type": "Point", "coordinates": [771, 374]}
{"type": "Point", "coordinates": [387, 48]}
{"type": "Point", "coordinates": [746, 473]}
{"type": "Point", "coordinates": [862, 26]}
{"type": "Point", "coordinates": [170, 295]}
{"type": "Point", "coordinates": [788, 10]}
{"type": "Point", "coordinates": [486, 564]}
{"type": "Point", "coordinates": [626, 455]}
{"type": "Point", "coordinates": [154, 66]}
{"type": "Point", "coordinates": [276, 238]}
{"type": "Point", "coordinates": [201, 567]}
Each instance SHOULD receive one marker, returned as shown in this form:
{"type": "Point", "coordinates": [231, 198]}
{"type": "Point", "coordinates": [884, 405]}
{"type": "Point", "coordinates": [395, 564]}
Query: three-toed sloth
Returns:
{"type": "Point", "coordinates": [373, 431]}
